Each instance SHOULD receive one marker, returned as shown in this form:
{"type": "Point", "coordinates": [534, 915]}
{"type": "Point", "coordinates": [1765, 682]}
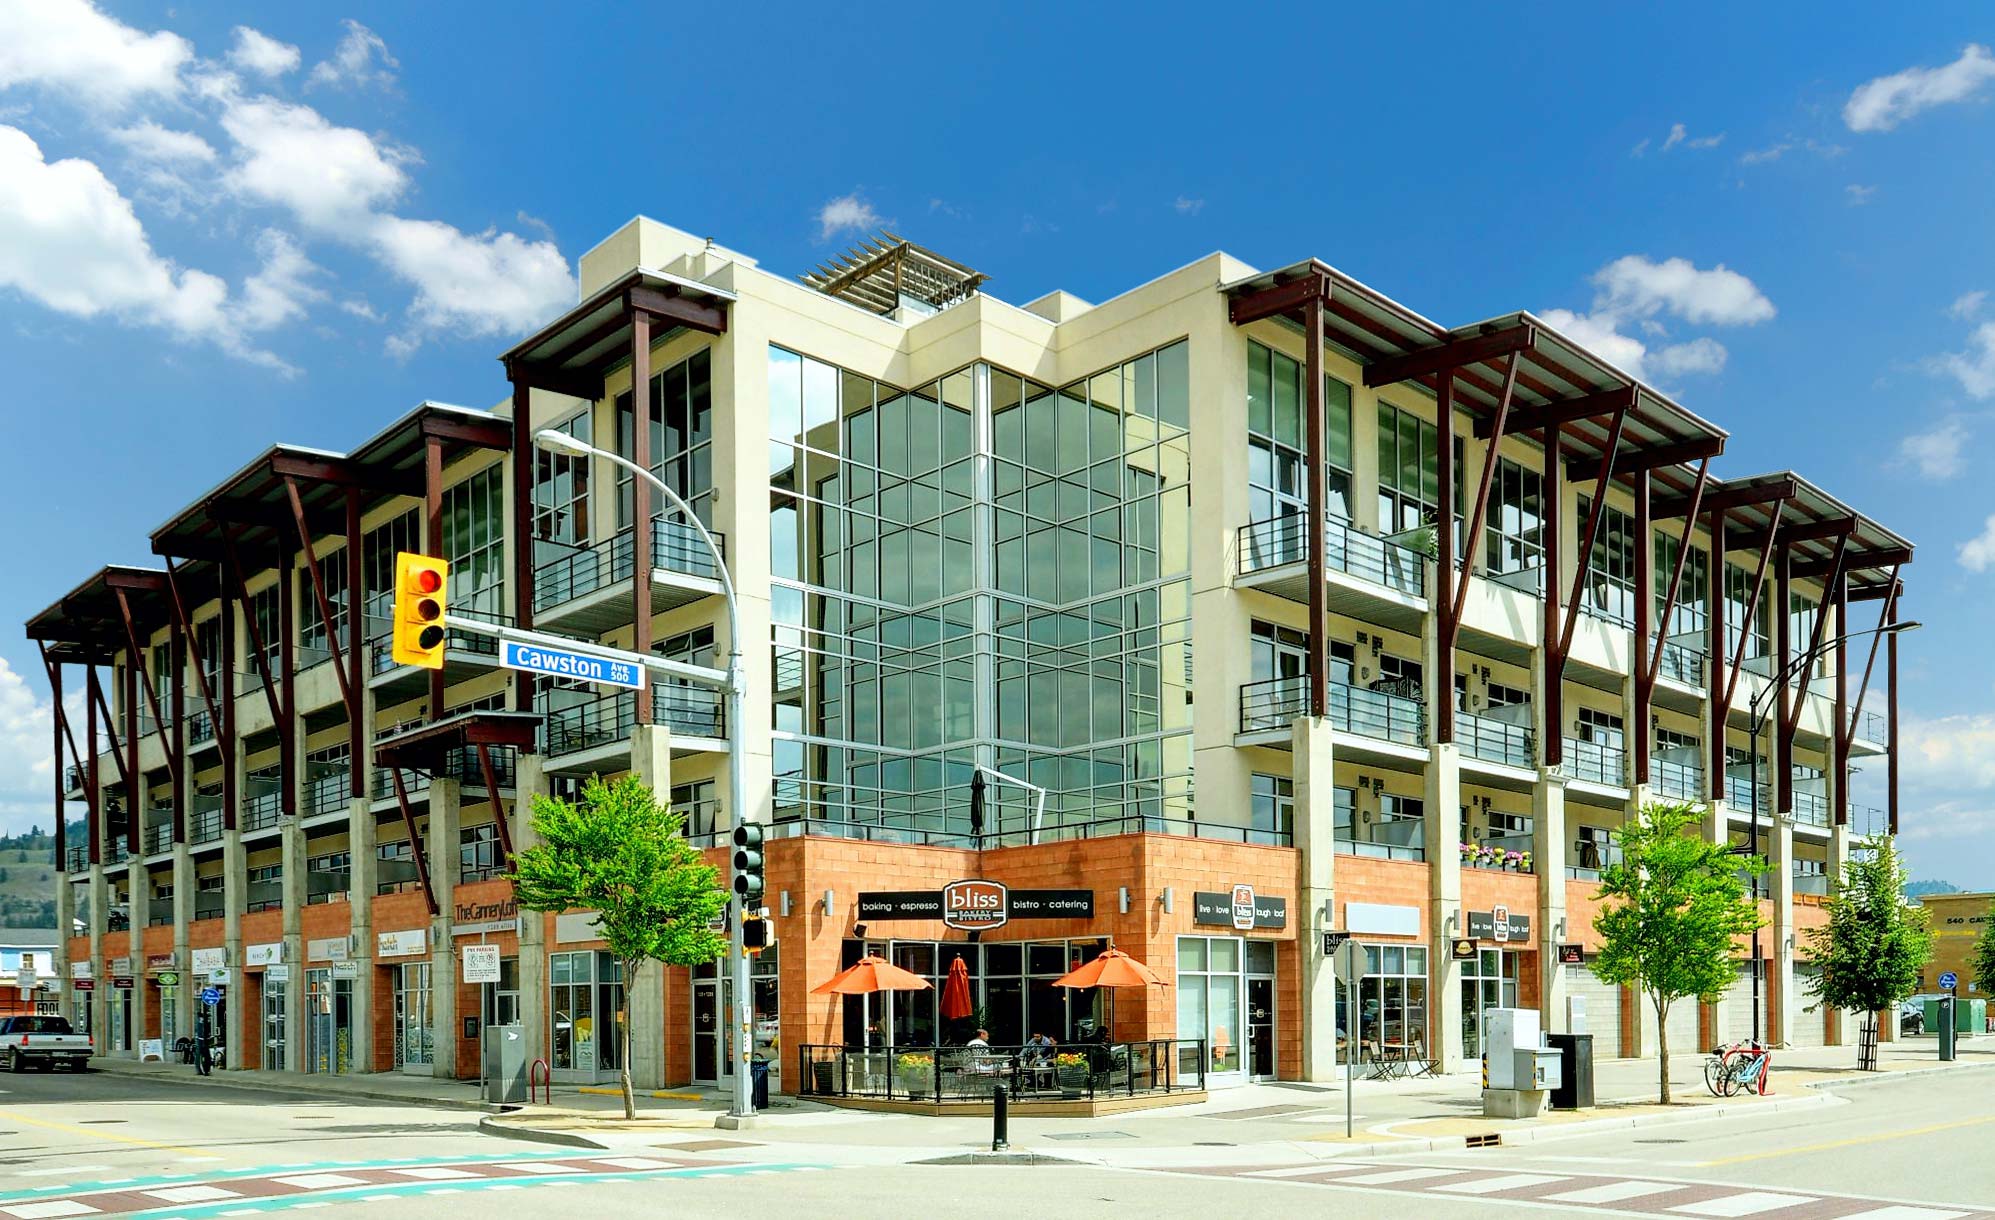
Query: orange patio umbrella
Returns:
{"type": "Point", "coordinates": [1114, 970]}
{"type": "Point", "coordinates": [955, 1003]}
{"type": "Point", "coordinates": [870, 974]}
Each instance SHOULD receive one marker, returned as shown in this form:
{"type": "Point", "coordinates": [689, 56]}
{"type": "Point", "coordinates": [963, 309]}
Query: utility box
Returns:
{"type": "Point", "coordinates": [1574, 1090]}
{"type": "Point", "coordinates": [1540, 1069]}
{"type": "Point", "coordinates": [505, 1064]}
{"type": "Point", "coordinates": [1508, 1031]}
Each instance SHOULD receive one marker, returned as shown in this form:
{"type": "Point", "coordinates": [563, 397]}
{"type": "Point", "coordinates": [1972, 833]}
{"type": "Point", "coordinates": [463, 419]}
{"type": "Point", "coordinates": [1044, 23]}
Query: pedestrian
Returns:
{"type": "Point", "coordinates": [201, 1059]}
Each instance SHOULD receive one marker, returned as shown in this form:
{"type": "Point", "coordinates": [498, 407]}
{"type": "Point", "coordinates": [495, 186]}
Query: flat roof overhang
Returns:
{"type": "Point", "coordinates": [572, 354]}
{"type": "Point", "coordinates": [426, 746]}
{"type": "Point", "coordinates": [1812, 524]}
{"type": "Point", "coordinates": [1558, 381]}
{"type": "Point", "coordinates": [86, 626]}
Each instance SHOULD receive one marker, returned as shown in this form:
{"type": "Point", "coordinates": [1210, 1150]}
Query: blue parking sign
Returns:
{"type": "Point", "coordinates": [1949, 980]}
{"type": "Point", "coordinates": [211, 996]}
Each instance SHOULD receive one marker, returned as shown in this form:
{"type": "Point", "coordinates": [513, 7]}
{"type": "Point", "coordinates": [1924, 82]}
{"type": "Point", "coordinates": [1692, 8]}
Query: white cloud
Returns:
{"type": "Point", "coordinates": [1967, 304]}
{"type": "Point", "coordinates": [1977, 554]}
{"type": "Point", "coordinates": [148, 141]}
{"type": "Point", "coordinates": [846, 214]}
{"type": "Point", "coordinates": [1883, 103]}
{"type": "Point", "coordinates": [71, 47]}
{"type": "Point", "coordinates": [361, 59]}
{"type": "Point", "coordinates": [1858, 195]}
{"type": "Point", "coordinates": [472, 284]}
{"type": "Point", "coordinates": [331, 177]}
{"type": "Point", "coordinates": [70, 241]}
{"type": "Point", "coordinates": [1641, 148]}
{"type": "Point", "coordinates": [282, 287]}
{"type": "Point", "coordinates": [1635, 286]}
{"type": "Point", "coordinates": [1602, 336]}
{"type": "Point", "coordinates": [1679, 135]}
{"type": "Point", "coordinates": [1949, 776]}
{"type": "Point", "coordinates": [1188, 207]}
{"type": "Point", "coordinates": [1699, 355]}
{"type": "Point", "coordinates": [27, 762]}
{"type": "Point", "coordinates": [1937, 452]}
{"type": "Point", "coordinates": [1780, 148]}
{"type": "Point", "coordinates": [1974, 368]}
{"type": "Point", "coordinates": [255, 51]}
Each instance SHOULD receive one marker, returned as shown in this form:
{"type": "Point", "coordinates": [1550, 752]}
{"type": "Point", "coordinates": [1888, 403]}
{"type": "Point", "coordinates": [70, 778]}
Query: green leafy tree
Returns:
{"type": "Point", "coordinates": [1871, 951]}
{"type": "Point", "coordinates": [619, 853]}
{"type": "Point", "coordinates": [1983, 960]}
{"type": "Point", "coordinates": [1675, 907]}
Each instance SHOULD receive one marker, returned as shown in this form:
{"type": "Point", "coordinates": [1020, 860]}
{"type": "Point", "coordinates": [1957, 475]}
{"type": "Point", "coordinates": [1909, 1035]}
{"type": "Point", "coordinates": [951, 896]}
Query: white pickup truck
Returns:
{"type": "Point", "coordinates": [48, 1041]}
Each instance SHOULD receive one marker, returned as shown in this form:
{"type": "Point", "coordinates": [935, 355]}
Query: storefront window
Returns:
{"type": "Point", "coordinates": [1392, 1003]}
{"type": "Point", "coordinates": [1213, 987]}
{"type": "Point", "coordinates": [328, 1021]}
{"type": "Point", "coordinates": [273, 1024]}
{"type": "Point", "coordinates": [1011, 985]}
{"type": "Point", "coordinates": [586, 994]}
{"type": "Point", "coordinates": [1488, 981]}
{"type": "Point", "coordinates": [415, 1040]}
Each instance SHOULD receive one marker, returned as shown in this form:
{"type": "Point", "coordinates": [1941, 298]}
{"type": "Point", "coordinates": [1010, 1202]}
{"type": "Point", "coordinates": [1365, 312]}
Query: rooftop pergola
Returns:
{"type": "Point", "coordinates": [880, 271]}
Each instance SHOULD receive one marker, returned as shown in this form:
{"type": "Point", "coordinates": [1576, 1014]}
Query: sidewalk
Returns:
{"type": "Point", "coordinates": [1265, 1123]}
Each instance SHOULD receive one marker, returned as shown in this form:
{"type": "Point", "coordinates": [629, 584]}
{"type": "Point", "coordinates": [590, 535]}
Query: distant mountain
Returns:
{"type": "Point", "coordinates": [1918, 889]}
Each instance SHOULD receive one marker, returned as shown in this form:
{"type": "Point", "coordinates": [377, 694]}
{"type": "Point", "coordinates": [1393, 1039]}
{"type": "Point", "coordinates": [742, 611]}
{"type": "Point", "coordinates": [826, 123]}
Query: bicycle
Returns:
{"type": "Point", "coordinates": [1740, 1066]}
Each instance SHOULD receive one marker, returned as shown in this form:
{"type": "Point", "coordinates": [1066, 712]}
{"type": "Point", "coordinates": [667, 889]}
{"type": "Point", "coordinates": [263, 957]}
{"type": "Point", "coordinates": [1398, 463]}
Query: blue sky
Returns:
{"type": "Point", "coordinates": [226, 224]}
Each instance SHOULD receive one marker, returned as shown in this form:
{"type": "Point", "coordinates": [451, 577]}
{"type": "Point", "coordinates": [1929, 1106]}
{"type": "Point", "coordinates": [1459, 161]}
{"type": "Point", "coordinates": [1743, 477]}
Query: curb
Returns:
{"type": "Point", "coordinates": [1870, 1078]}
{"type": "Point", "coordinates": [490, 1125]}
{"type": "Point", "coordinates": [220, 1081]}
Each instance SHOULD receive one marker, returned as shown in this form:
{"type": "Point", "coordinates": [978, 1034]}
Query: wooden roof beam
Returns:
{"type": "Point", "coordinates": [1731, 497]}
{"type": "Point", "coordinates": [677, 309]}
{"type": "Point", "coordinates": [1568, 411]}
{"type": "Point", "coordinates": [1857, 561]}
{"type": "Point", "coordinates": [1648, 459]}
{"type": "Point", "coordinates": [1453, 354]}
{"type": "Point", "coordinates": [1278, 299]}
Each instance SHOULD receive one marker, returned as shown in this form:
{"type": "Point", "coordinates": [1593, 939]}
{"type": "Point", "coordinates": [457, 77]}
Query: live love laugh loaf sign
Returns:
{"type": "Point", "coordinates": [976, 905]}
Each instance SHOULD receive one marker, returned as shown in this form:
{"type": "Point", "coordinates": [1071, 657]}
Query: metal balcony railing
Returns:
{"type": "Point", "coordinates": [1275, 703]}
{"type": "Point", "coordinates": [1811, 808]}
{"type": "Point", "coordinates": [1816, 884]}
{"type": "Point", "coordinates": [1676, 780]}
{"type": "Point", "coordinates": [77, 858]}
{"type": "Point", "coordinates": [1682, 663]}
{"type": "Point", "coordinates": [1739, 795]}
{"type": "Point", "coordinates": [675, 547]}
{"type": "Point", "coordinates": [1500, 853]}
{"type": "Point", "coordinates": [689, 711]}
{"type": "Point", "coordinates": [159, 838]}
{"type": "Point", "coordinates": [204, 825]}
{"type": "Point", "coordinates": [1868, 820]}
{"type": "Point", "coordinates": [1596, 763]}
{"type": "Point", "coordinates": [1284, 540]}
{"type": "Point", "coordinates": [72, 777]}
{"type": "Point", "coordinates": [117, 851]}
{"type": "Point", "coordinates": [1497, 741]}
{"type": "Point", "coordinates": [1384, 839]}
{"type": "Point", "coordinates": [458, 643]}
{"type": "Point", "coordinates": [1590, 859]}
{"type": "Point", "coordinates": [200, 728]}
{"type": "Point", "coordinates": [1871, 727]}
{"type": "Point", "coordinates": [262, 810]}
{"type": "Point", "coordinates": [329, 791]}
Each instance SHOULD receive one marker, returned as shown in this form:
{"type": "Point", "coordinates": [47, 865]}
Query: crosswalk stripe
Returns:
{"type": "Point", "coordinates": [1508, 1181]}
{"type": "Point", "coordinates": [1745, 1203]}
{"type": "Point", "coordinates": [1902, 1211]}
{"type": "Point", "coordinates": [1613, 1192]}
{"type": "Point", "coordinates": [1297, 1171]}
{"type": "Point", "coordinates": [1397, 1175]}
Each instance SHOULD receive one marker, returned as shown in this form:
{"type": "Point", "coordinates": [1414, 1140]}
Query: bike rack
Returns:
{"type": "Point", "coordinates": [545, 1074]}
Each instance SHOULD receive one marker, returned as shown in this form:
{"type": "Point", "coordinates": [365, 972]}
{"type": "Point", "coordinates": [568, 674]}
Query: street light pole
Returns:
{"type": "Point", "coordinates": [741, 1011]}
{"type": "Point", "coordinates": [1761, 705]}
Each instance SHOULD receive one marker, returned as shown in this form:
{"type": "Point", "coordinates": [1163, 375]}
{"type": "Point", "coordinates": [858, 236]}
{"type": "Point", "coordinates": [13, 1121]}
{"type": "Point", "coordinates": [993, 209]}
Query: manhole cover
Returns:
{"type": "Point", "coordinates": [1092, 1135]}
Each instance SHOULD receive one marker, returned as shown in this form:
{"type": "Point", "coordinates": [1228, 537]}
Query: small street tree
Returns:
{"type": "Point", "coordinates": [1871, 951]}
{"type": "Point", "coordinates": [619, 853]}
{"type": "Point", "coordinates": [1675, 908]}
{"type": "Point", "coordinates": [1983, 960]}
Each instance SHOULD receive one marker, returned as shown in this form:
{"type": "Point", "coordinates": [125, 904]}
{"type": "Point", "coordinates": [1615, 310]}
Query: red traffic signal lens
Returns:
{"type": "Point", "coordinates": [426, 580]}
{"type": "Point", "coordinates": [428, 610]}
{"type": "Point", "coordinates": [430, 637]}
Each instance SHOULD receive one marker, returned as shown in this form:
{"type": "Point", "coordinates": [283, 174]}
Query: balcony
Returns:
{"type": "Point", "coordinates": [1596, 763]}
{"type": "Point", "coordinates": [1682, 664]}
{"type": "Point", "coordinates": [205, 823]}
{"type": "Point", "coordinates": [1499, 853]}
{"type": "Point", "coordinates": [1815, 884]}
{"type": "Point", "coordinates": [1739, 795]}
{"type": "Point", "coordinates": [1492, 740]}
{"type": "Point", "coordinates": [585, 590]}
{"type": "Point", "coordinates": [1272, 705]}
{"type": "Point", "coordinates": [1384, 839]}
{"type": "Point", "coordinates": [1680, 781]}
{"type": "Point", "coordinates": [77, 858]}
{"type": "Point", "coordinates": [577, 733]}
{"type": "Point", "coordinates": [328, 789]}
{"type": "Point", "coordinates": [262, 809]}
{"type": "Point", "coordinates": [159, 838]}
{"type": "Point", "coordinates": [72, 777]}
{"type": "Point", "coordinates": [117, 851]}
{"type": "Point", "coordinates": [1870, 727]}
{"type": "Point", "coordinates": [1811, 809]}
{"type": "Point", "coordinates": [460, 764]}
{"type": "Point", "coordinates": [1590, 859]}
{"type": "Point", "coordinates": [200, 729]}
{"type": "Point", "coordinates": [1867, 821]}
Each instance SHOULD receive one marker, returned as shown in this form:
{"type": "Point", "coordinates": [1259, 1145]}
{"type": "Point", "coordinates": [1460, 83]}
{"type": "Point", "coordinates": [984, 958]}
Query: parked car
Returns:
{"type": "Point", "coordinates": [1911, 1017]}
{"type": "Point", "coordinates": [48, 1042]}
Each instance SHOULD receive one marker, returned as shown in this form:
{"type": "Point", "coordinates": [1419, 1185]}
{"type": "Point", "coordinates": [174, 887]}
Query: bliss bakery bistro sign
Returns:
{"type": "Point", "coordinates": [1239, 908]}
{"type": "Point", "coordinates": [976, 905]}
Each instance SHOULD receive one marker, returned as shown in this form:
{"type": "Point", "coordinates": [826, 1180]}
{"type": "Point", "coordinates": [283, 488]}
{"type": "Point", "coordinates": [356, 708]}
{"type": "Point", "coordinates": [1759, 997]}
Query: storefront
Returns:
{"type": "Point", "coordinates": [329, 1017]}
{"type": "Point", "coordinates": [1392, 1004]}
{"type": "Point", "coordinates": [405, 973]}
{"type": "Point", "coordinates": [276, 988]}
{"type": "Point", "coordinates": [1226, 995]}
{"type": "Point", "coordinates": [1011, 987]}
{"type": "Point", "coordinates": [585, 1004]}
{"type": "Point", "coordinates": [713, 1041]}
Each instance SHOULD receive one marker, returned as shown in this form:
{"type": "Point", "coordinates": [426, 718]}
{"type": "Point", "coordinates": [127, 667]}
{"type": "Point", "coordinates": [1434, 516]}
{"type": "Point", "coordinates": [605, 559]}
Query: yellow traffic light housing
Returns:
{"type": "Point", "coordinates": [421, 595]}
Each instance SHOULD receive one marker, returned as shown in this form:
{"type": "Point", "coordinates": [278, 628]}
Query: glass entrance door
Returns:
{"type": "Point", "coordinates": [1489, 981]}
{"type": "Point", "coordinates": [713, 1041]}
{"type": "Point", "coordinates": [328, 1022]}
{"type": "Point", "coordinates": [415, 1047]}
{"type": "Point", "coordinates": [709, 1028]}
{"type": "Point", "coordinates": [273, 1023]}
{"type": "Point", "coordinates": [1261, 1028]}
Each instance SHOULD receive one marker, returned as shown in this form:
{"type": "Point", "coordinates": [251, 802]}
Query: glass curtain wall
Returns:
{"type": "Point", "coordinates": [980, 570]}
{"type": "Point", "coordinates": [1610, 565]}
{"type": "Point", "coordinates": [1277, 478]}
{"type": "Point", "coordinates": [474, 519]}
{"type": "Point", "coordinates": [681, 440]}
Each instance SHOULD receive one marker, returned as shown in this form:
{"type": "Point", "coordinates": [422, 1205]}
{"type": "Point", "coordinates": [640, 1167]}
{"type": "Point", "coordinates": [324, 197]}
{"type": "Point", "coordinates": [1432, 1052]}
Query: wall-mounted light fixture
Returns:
{"type": "Point", "coordinates": [1167, 900]}
{"type": "Point", "coordinates": [783, 904]}
{"type": "Point", "coordinates": [830, 902]}
{"type": "Point", "coordinates": [1122, 899]}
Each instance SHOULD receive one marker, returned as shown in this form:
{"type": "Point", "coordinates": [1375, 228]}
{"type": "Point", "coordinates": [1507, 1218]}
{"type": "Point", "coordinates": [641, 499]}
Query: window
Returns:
{"type": "Point", "coordinates": [1514, 536]}
{"type": "Point", "coordinates": [208, 637]}
{"type": "Point", "coordinates": [1209, 997]}
{"type": "Point", "coordinates": [1610, 566]}
{"type": "Point", "coordinates": [384, 542]}
{"type": "Point", "coordinates": [1738, 591]}
{"type": "Point", "coordinates": [1277, 440]}
{"type": "Point", "coordinates": [1279, 652]}
{"type": "Point", "coordinates": [263, 613]}
{"type": "Point", "coordinates": [1600, 728]}
{"type": "Point", "coordinates": [681, 439]}
{"type": "Point", "coordinates": [1272, 809]}
{"type": "Point", "coordinates": [697, 805]}
{"type": "Point", "coordinates": [474, 523]}
{"type": "Point", "coordinates": [561, 487]}
{"type": "Point", "coordinates": [1693, 612]}
{"type": "Point", "coordinates": [478, 855]}
{"type": "Point", "coordinates": [1408, 470]}
{"type": "Point", "coordinates": [312, 627]}
{"type": "Point", "coordinates": [1500, 695]}
{"type": "Point", "coordinates": [1392, 1003]}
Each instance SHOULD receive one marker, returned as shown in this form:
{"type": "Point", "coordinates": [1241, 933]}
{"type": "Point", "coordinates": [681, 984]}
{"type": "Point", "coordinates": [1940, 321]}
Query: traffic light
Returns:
{"type": "Point", "coordinates": [421, 594]}
{"type": "Point", "coordinates": [756, 933]}
{"type": "Point", "coordinates": [748, 865]}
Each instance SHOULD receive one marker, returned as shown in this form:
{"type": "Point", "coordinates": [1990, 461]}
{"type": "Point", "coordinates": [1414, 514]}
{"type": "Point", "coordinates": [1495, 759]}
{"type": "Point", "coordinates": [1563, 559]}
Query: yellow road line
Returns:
{"type": "Point", "coordinates": [102, 1135]}
{"type": "Point", "coordinates": [1852, 1141]}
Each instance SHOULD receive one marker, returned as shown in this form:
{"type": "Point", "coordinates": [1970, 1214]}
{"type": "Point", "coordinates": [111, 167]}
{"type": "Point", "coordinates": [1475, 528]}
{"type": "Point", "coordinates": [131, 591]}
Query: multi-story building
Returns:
{"type": "Point", "coordinates": [1957, 921]}
{"type": "Point", "coordinates": [1238, 580]}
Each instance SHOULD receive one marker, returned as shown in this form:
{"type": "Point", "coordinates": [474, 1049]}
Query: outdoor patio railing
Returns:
{"type": "Point", "coordinates": [1077, 1072]}
{"type": "Point", "coordinates": [1382, 561]}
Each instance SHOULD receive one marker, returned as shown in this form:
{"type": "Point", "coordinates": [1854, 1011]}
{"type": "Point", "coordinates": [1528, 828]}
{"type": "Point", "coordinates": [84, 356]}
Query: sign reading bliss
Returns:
{"type": "Point", "coordinates": [977, 905]}
{"type": "Point", "coordinates": [1239, 908]}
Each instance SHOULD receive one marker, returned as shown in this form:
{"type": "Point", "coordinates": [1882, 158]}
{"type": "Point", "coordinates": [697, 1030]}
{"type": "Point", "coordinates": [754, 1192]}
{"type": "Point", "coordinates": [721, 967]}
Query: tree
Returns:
{"type": "Point", "coordinates": [1871, 951]}
{"type": "Point", "coordinates": [1675, 907]}
{"type": "Point", "coordinates": [1983, 960]}
{"type": "Point", "coordinates": [619, 853]}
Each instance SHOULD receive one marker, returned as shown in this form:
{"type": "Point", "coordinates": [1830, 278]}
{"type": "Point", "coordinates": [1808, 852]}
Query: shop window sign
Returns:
{"type": "Point", "coordinates": [1239, 907]}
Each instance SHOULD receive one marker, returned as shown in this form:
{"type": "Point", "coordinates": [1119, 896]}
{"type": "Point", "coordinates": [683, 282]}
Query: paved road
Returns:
{"type": "Point", "coordinates": [101, 1144]}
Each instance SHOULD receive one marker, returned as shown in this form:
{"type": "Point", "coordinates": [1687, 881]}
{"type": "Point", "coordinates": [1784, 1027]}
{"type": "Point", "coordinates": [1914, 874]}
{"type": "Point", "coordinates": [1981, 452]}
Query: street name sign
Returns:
{"type": "Point", "coordinates": [561, 663]}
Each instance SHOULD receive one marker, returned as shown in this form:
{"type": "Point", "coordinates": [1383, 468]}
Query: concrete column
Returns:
{"type": "Point", "coordinates": [183, 954]}
{"type": "Point", "coordinates": [651, 763]}
{"type": "Point", "coordinates": [235, 892]}
{"type": "Point", "coordinates": [530, 780]}
{"type": "Point", "coordinates": [100, 906]}
{"type": "Point", "coordinates": [65, 920]}
{"type": "Point", "coordinates": [138, 907]}
{"type": "Point", "coordinates": [360, 894]}
{"type": "Point", "coordinates": [1784, 1007]}
{"type": "Point", "coordinates": [1315, 833]}
{"type": "Point", "coordinates": [1442, 839]}
{"type": "Point", "coordinates": [446, 799]}
{"type": "Point", "coordinates": [1548, 856]}
{"type": "Point", "coordinates": [291, 887]}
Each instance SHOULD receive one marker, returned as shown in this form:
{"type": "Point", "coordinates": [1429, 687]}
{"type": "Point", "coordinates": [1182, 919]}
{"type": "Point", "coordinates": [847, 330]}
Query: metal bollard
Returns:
{"type": "Point", "coordinates": [1000, 1120]}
